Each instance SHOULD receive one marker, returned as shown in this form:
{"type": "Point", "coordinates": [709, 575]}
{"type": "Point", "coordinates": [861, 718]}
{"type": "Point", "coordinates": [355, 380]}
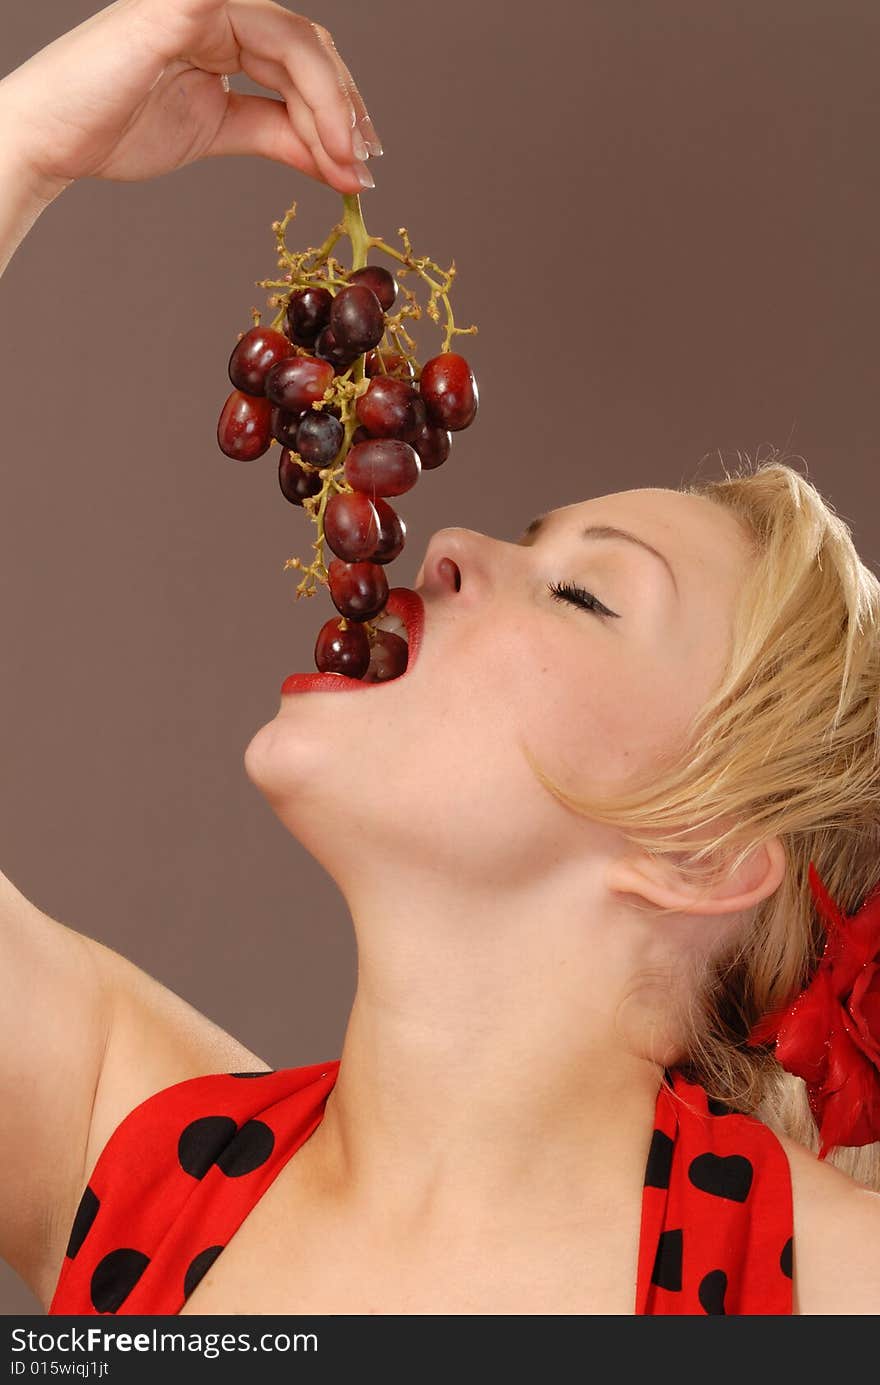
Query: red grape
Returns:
{"type": "Point", "coordinates": [244, 429]}
{"type": "Point", "coordinates": [432, 444]}
{"type": "Point", "coordinates": [318, 437]}
{"type": "Point", "coordinates": [284, 427]}
{"type": "Point", "coordinates": [254, 356]}
{"type": "Point", "coordinates": [389, 655]}
{"type": "Point", "coordinates": [394, 364]}
{"type": "Point", "coordinates": [308, 311]}
{"type": "Point", "coordinates": [342, 651]}
{"type": "Point", "coordinates": [356, 319]}
{"type": "Point", "coordinates": [297, 382]}
{"type": "Point", "coordinates": [391, 409]}
{"type": "Point", "coordinates": [379, 436]}
{"type": "Point", "coordinates": [392, 532]}
{"type": "Point", "coordinates": [449, 390]}
{"type": "Point", "coordinates": [351, 526]}
{"type": "Point", "coordinates": [380, 280]}
{"type": "Point", "coordinates": [329, 349]}
{"type": "Point", "coordinates": [359, 590]}
{"type": "Point", "coordinates": [297, 482]}
{"type": "Point", "coordinates": [382, 466]}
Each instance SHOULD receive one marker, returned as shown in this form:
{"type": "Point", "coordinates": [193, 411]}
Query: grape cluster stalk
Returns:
{"type": "Point", "coordinates": [336, 381]}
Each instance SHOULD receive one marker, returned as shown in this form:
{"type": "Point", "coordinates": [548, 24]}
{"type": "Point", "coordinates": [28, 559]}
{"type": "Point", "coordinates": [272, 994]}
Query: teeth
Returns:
{"type": "Point", "coordinates": [387, 621]}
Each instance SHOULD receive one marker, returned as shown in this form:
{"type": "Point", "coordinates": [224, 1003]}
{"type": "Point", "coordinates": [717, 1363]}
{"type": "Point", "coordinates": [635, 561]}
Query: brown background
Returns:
{"type": "Point", "coordinates": [665, 218]}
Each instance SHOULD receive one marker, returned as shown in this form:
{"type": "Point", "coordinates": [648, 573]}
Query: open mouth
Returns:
{"type": "Point", "coordinates": [404, 615]}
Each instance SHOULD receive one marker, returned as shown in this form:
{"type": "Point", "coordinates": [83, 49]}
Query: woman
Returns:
{"type": "Point", "coordinates": [588, 888]}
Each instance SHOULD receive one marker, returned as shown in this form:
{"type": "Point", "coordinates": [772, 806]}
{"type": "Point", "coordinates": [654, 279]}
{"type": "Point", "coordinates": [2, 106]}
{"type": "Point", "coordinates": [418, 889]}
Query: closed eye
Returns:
{"type": "Point", "coordinates": [578, 596]}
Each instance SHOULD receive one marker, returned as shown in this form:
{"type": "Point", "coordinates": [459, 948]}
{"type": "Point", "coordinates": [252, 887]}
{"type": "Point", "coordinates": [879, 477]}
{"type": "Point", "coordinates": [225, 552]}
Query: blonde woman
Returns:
{"type": "Point", "coordinates": [628, 756]}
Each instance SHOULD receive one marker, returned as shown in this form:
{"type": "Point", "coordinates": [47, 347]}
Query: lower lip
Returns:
{"type": "Point", "coordinates": [403, 602]}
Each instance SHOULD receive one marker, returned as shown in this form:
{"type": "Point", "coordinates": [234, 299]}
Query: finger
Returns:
{"type": "Point", "coordinates": [262, 126]}
{"type": "Point", "coordinates": [303, 122]}
{"type": "Point", "coordinates": [273, 74]}
{"type": "Point", "coordinates": [365, 124]}
{"type": "Point", "coordinates": [266, 32]}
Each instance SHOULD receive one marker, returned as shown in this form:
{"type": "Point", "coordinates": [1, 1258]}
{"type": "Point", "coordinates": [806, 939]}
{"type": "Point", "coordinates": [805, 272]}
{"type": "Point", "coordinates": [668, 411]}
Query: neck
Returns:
{"type": "Point", "coordinates": [482, 1067]}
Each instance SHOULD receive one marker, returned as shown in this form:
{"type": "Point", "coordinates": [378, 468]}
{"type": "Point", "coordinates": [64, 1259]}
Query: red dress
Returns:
{"type": "Point", "coordinates": [181, 1172]}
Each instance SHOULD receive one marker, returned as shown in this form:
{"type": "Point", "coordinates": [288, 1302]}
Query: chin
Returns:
{"type": "Point", "coordinates": [288, 763]}
{"type": "Point", "coordinates": [306, 769]}
{"type": "Point", "coordinates": [282, 759]}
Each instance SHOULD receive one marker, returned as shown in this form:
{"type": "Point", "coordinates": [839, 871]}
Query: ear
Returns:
{"type": "Point", "coordinates": [658, 882]}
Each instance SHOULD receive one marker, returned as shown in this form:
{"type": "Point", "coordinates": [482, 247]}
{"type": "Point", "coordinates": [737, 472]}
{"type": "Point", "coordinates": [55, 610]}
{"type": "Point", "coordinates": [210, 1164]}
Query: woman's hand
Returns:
{"type": "Point", "coordinates": [139, 90]}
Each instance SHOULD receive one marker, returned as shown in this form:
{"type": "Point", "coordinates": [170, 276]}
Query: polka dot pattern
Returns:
{"type": "Point", "coordinates": [247, 1150]}
{"type": "Point", "coordinates": [726, 1175]}
{"type": "Point", "coordinates": [182, 1171]}
{"type": "Point", "coordinates": [85, 1215]}
{"type": "Point", "coordinates": [716, 1230]}
{"type": "Point", "coordinates": [202, 1141]}
{"type": "Point", "coordinates": [114, 1277]}
{"type": "Point", "coordinates": [176, 1179]}
{"type": "Point", "coordinates": [666, 1273]}
{"type": "Point", "coordinates": [199, 1265]}
{"type": "Point", "coordinates": [713, 1287]}
{"type": "Point", "coordinates": [659, 1169]}
{"type": "Point", "coordinates": [217, 1140]}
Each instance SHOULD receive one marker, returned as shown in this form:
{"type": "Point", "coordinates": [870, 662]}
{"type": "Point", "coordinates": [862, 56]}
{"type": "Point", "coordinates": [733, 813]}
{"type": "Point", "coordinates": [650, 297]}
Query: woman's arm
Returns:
{"type": "Point", "coordinates": [24, 194]}
{"type": "Point", "coordinates": [135, 91]}
{"type": "Point", "coordinates": [54, 1021]}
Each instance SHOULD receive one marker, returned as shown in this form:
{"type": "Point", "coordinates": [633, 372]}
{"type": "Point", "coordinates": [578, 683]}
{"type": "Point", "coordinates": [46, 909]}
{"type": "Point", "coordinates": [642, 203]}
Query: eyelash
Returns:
{"type": "Point", "coordinates": [577, 596]}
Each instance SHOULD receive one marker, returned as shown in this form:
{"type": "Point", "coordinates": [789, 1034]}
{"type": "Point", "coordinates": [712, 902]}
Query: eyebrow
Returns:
{"type": "Point", "coordinates": [606, 531]}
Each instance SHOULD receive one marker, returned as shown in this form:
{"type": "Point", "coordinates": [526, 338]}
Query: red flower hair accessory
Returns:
{"type": "Point", "coordinates": [830, 1034]}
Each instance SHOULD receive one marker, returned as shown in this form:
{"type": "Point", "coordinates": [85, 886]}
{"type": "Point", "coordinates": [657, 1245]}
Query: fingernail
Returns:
{"type": "Point", "coordinates": [364, 176]}
{"type": "Point", "coordinates": [357, 144]}
{"type": "Point", "coordinates": [368, 131]}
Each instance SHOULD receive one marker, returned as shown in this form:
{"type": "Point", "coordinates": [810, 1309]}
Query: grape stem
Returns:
{"type": "Point", "coordinates": [319, 266]}
{"type": "Point", "coordinates": [354, 228]}
{"type": "Point", "coordinates": [438, 290]}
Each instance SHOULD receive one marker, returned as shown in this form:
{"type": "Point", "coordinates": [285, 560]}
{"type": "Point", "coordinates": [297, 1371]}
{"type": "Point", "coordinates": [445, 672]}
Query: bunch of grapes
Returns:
{"type": "Point", "coordinates": [336, 382]}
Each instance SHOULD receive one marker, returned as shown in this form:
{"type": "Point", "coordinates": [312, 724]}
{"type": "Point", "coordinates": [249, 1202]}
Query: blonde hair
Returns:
{"type": "Point", "coordinates": [787, 745]}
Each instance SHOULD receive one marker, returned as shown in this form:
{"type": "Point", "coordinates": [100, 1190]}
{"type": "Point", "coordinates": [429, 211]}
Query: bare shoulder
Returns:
{"type": "Point", "coordinates": [156, 1038]}
{"type": "Point", "coordinates": [85, 1037]}
{"type": "Point", "coordinates": [836, 1237]}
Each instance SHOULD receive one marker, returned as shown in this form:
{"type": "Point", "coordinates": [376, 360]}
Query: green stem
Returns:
{"type": "Point", "coordinates": [436, 288]}
{"type": "Point", "coordinates": [353, 227]}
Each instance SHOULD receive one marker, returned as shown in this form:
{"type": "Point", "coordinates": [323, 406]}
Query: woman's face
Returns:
{"type": "Point", "coordinates": [429, 770]}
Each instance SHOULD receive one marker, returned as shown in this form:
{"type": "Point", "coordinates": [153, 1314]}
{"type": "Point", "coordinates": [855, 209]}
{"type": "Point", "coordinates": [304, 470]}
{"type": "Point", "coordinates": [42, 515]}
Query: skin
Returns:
{"type": "Point", "coordinates": [503, 1053]}
{"type": "Point", "coordinates": [484, 1147]}
{"type": "Point", "coordinates": [489, 1059]}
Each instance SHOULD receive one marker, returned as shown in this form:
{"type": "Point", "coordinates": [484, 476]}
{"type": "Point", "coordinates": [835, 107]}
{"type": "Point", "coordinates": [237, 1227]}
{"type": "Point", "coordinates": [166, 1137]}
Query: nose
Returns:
{"type": "Point", "coordinates": [456, 560]}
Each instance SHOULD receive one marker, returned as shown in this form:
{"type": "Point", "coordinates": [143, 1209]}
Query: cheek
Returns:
{"type": "Point", "coordinates": [594, 714]}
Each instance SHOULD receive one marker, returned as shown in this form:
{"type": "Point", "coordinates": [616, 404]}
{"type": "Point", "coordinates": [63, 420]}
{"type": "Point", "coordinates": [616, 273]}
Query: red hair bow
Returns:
{"type": "Point", "coordinates": [830, 1034]}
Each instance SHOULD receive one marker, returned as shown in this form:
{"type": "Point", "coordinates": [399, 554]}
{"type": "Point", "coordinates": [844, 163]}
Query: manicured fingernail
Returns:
{"type": "Point", "coordinates": [357, 143]}
{"type": "Point", "coordinates": [365, 177]}
{"type": "Point", "coordinates": [368, 131]}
